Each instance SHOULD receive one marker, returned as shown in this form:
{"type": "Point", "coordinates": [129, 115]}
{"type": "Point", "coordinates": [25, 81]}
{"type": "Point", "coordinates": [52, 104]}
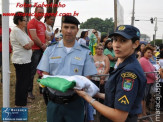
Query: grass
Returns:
{"type": "Point", "coordinates": [37, 111]}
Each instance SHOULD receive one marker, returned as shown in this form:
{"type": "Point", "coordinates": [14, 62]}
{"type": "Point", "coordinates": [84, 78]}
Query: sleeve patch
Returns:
{"type": "Point", "coordinates": [127, 84]}
{"type": "Point", "coordinates": [123, 100]}
{"type": "Point", "coordinates": [129, 75]}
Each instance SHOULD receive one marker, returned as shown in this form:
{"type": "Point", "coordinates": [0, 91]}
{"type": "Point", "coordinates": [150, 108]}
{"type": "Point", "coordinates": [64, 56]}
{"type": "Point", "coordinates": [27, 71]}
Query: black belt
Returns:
{"type": "Point", "coordinates": [62, 99]}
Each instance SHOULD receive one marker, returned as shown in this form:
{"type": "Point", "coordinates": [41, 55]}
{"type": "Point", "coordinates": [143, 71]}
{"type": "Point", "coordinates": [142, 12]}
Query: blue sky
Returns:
{"type": "Point", "coordinates": [144, 10]}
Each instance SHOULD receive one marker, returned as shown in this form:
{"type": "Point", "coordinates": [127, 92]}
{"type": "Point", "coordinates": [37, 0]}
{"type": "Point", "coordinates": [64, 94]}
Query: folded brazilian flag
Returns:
{"type": "Point", "coordinates": [64, 83]}
{"type": "Point", "coordinates": [58, 83]}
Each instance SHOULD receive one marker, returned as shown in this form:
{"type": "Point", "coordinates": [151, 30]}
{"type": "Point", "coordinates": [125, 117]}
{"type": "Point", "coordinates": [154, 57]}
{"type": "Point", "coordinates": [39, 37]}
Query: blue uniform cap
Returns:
{"type": "Point", "coordinates": [127, 31]}
{"type": "Point", "coordinates": [70, 20]}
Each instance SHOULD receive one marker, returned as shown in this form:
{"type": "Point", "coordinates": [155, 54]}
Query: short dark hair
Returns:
{"type": "Point", "coordinates": [38, 7]}
{"type": "Point", "coordinates": [18, 16]}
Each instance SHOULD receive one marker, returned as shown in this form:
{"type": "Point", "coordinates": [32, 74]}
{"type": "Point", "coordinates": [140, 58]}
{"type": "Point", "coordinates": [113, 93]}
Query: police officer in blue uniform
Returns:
{"type": "Point", "coordinates": [66, 57]}
{"type": "Point", "coordinates": [125, 87]}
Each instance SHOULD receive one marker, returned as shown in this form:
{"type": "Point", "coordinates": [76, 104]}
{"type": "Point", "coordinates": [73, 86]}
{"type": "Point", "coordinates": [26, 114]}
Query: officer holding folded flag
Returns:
{"type": "Point", "coordinates": [66, 57]}
{"type": "Point", "coordinates": [125, 87]}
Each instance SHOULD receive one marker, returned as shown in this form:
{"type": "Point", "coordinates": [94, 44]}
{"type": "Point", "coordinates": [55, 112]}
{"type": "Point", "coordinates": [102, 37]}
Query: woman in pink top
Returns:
{"type": "Point", "coordinates": [147, 67]}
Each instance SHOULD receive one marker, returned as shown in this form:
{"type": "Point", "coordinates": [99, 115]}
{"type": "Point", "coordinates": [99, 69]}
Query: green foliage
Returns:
{"type": "Point", "coordinates": [106, 25]}
{"type": "Point", "coordinates": [103, 33]}
{"type": "Point", "coordinates": [157, 42]}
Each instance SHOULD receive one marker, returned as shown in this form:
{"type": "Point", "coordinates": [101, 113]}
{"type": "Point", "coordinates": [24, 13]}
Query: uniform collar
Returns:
{"type": "Point", "coordinates": [127, 60]}
{"type": "Point", "coordinates": [76, 45]}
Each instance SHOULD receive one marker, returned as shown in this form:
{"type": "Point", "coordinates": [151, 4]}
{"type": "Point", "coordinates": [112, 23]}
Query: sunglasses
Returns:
{"type": "Point", "coordinates": [100, 48]}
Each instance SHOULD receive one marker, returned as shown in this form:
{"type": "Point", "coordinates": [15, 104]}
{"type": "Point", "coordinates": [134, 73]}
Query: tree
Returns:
{"type": "Point", "coordinates": [104, 26]}
{"type": "Point", "coordinates": [157, 42]}
{"type": "Point", "coordinates": [52, 9]}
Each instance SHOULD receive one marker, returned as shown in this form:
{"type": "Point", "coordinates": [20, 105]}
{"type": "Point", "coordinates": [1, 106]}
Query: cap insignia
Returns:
{"type": "Point", "coordinates": [121, 28]}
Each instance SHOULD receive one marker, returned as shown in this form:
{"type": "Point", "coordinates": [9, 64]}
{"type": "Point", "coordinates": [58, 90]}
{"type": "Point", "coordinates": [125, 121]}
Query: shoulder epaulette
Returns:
{"type": "Point", "coordinates": [84, 46]}
{"type": "Point", "coordinates": [53, 43]}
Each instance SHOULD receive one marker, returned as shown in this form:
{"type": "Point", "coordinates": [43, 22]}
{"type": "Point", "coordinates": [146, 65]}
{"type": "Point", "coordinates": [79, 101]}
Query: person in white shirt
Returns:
{"type": "Point", "coordinates": [48, 24]}
{"type": "Point", "coordinates": [83, 37]}
{"type": "Point", "coordinates": [21, 58]}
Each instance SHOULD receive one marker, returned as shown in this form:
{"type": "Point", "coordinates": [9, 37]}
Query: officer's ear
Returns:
{"type": "Point", "coordinates": [136, 44]}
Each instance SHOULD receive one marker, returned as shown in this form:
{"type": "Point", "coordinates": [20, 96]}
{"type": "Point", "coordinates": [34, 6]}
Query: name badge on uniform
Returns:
{"type": "Point", "coordinates": [128, 81]}
{"type": "Point", "coordinates": [77, 58]}
{"type": "Point", "coordinates": [56, 57]}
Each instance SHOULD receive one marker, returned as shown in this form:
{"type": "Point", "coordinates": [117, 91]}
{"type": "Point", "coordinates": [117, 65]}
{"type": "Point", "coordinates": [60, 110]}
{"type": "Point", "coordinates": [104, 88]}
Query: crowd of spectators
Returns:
{"type": "Point", "coordinates": [27, 50]}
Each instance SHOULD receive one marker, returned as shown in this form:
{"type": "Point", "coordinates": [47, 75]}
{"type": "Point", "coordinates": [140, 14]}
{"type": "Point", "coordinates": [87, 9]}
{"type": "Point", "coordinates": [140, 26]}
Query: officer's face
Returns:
{"type": "Point", "coordinates": [123, 47]}
{"type": "Point", "coordinates": [148, 54]}
{"type": "Point", "coordinates": [69, 32]}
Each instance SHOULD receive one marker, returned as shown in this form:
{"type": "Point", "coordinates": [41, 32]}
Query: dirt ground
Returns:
{"type": "Point", "coordinates": [37, 109]}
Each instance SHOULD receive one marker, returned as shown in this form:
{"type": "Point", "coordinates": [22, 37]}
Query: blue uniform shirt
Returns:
{"type": "Point", "coordinates": [56, 61]}
{"type": "Point", "coordinates": [124, 89]}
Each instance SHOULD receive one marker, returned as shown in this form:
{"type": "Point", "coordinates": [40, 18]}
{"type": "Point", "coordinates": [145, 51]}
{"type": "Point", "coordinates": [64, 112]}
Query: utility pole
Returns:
{"type": "Point", "coordinates": [27, 10]}
{"type": "Point", "coordinates": [133, 12]}
{"type": "Point", "coordinates": [54, 9]}
{"type": "Point", "coordinates": [115, 14]}
{"type": "Point", "coordinates": [155, 29]}
{"type": "Point", "coordinates": [162, 38]}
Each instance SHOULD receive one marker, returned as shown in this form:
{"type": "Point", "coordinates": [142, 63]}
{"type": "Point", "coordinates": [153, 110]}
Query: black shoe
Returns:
{"type": "Point", "coordinates": [30, 95]}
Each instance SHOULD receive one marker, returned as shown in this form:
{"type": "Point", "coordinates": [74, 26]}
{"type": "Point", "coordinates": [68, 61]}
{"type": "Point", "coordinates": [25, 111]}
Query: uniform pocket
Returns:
{"type": "Point", "coordinates": [54, 64]}
{"type": "Point", "coordinates": [77, 66]}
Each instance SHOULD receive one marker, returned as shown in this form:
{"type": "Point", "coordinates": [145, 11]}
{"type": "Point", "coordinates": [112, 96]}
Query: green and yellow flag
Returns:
{"type": "Point", "coordinates": [57, 83]}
